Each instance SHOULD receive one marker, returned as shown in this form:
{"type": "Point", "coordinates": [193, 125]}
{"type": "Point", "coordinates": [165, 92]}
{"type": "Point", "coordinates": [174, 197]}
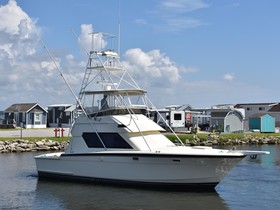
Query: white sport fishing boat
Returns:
{"type": "Point", "coordinates": [113, 140]}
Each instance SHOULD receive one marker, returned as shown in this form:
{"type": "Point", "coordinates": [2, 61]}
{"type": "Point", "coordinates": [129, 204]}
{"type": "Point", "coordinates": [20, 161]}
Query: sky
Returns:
{"type": "Point", "coordinates": [196, 52]}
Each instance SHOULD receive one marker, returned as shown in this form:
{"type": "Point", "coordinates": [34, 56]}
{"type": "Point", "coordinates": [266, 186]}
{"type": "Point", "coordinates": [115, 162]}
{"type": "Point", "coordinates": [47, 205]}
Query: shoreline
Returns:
{"type": "Point", "coordinates": [21, 145]}
{"type": "Point", "coordinates": [220, 140]}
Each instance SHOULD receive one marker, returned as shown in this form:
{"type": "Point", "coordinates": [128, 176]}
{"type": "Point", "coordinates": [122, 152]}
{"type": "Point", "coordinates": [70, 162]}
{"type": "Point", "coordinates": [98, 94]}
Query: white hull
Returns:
{"type": "Point", "coordinates": [143, 169]}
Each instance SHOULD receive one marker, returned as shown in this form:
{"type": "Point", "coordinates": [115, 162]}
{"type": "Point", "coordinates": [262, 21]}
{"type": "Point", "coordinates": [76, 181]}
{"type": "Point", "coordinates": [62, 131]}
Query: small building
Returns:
{"type": "Point", "coordinates": [27, 115]}
{"type": "Point", "coordinates": [227, 120]}
{"type": "Point", "coordinates": [252, 109]}
{"type": "Point", "coordinates": [275, 112]}
{"type": "Point", "coordinates": [265, 123]}
{"type": "Point", "coordinates": [60, 115]}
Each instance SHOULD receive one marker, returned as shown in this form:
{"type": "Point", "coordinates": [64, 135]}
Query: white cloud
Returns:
{"type": "Point", "coordinates": [229, 77]}
{"type": "Point", "coordinates": [10, 17]}
{"type": "Point", "coordinates": [28, 74]}
{"type": "Point", "coordinates": [233, 5]}
{"type": "Point", "coordinates": [176, 15]}
{"type": "Point", "coordinates": [93, 42]}
{"type": "Point", "coordinates": [181, 23]}
{"type": "Point", "coordinates": [184, 6]}
{"type": "Point", "coordinates": [17, 36]}
{"type": "Point", "coordinates": [141, 21]}
{"type": "Point", "coordinates": [152, 68]}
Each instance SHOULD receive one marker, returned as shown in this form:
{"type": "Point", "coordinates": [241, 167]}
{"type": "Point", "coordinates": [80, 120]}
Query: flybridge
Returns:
{"type": "Point", "coordinates": [106, 84]}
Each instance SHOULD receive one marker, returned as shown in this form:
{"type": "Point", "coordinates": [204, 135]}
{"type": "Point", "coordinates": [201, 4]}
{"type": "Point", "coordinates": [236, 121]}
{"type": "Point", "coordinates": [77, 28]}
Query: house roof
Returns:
{"type": "Point", "coordinates": [220, 113]}
{"type": "Point", "coordinates": [24, 107]}
{"type": "Point", "coordinates": [253, 104]}
{"type": "Point", "coordinates": [275, 108]}
{"type": "Point", "coordinates": [60, 105]}
{"type": "Point", "coordinates": [259, 115]}
{"type": "Point", "coordinates": [71, 108]}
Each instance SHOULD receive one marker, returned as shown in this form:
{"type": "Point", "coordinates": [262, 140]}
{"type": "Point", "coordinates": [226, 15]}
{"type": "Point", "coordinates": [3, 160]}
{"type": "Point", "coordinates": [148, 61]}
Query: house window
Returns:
{"type": "Point", "coordinates": [261, 108]}
{"type": "Point", "coordinates": [37, 117]}
{"type": "Point", "coordinates": [248, 108]}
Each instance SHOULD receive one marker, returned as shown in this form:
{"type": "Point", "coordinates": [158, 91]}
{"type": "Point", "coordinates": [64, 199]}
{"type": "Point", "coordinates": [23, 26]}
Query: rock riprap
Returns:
{"type": "Point", "coordinates": [21, 145]}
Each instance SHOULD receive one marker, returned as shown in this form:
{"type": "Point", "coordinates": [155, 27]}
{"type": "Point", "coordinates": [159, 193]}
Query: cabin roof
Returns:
{"type": "Point", "coordinates": [117, 92]}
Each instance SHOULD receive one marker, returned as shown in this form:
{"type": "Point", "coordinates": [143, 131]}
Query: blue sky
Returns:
{"type": "Point", "coordinates": [196, 52]}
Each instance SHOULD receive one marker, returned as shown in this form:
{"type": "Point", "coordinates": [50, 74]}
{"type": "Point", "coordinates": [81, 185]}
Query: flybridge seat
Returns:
{"type": "Point", "coordinates": [120, 111]}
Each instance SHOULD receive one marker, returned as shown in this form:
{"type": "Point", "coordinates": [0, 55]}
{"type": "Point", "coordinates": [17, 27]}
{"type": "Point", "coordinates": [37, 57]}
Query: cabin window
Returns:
{"type": "Point", "coordinates": [177, 117]}
{"type": "Point", "coordinates": [261, 108]}
{"type": "Point", "coordinates": [110, 140]}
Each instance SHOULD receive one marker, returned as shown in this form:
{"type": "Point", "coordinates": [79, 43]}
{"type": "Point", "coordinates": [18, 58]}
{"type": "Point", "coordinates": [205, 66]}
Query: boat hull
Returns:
{"type": "Point", "coordinates": [186, 172]}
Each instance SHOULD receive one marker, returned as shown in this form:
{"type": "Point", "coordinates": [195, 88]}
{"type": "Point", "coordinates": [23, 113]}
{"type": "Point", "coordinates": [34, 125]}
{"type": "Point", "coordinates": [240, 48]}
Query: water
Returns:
{"type": "Point", "coordinates": [252, 184]}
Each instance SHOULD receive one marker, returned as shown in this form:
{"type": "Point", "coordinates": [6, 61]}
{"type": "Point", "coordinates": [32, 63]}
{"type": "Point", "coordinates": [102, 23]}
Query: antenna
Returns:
{"type": "Point", "coordinates": [119, 33]}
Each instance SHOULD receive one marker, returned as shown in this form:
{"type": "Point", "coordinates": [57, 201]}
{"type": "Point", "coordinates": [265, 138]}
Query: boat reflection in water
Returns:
{"type": "Point", "coordinates": [66, 195]}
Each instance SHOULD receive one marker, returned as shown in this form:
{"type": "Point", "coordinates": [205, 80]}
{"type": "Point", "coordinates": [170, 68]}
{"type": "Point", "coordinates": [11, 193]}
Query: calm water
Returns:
{"type": "Point", "coordinates": [252, 184]}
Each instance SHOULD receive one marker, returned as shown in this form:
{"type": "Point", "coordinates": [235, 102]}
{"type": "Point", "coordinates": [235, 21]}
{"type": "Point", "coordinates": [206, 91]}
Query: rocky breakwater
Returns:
{"type": "Point", "coordinates": [247, 139]}
{"type": "Point", "coordinates": [21, 145]}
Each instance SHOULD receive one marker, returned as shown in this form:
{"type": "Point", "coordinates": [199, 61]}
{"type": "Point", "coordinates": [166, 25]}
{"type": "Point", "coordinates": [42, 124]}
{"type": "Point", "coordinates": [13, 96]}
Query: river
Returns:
{"type": "Point", "coordinates": [252, 184]}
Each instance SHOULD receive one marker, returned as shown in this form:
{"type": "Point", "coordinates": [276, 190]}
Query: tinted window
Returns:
{"type": "Point", "coordinates": [92, 140]}
{"type": "Point", "coordinates": [177, 116]}
{"type": "Point", "coordinates": [110, 140]}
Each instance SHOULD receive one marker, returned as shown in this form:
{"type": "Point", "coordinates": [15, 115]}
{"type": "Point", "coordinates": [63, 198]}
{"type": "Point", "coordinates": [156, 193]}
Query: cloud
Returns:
{"type": "Point", "coordinates": [141, 21]}
{"type": "Point", "coordinates": [176, 15]}
{"type": "Point", "coordinates": [229, 77]}
{"type": "Point", "coordinates": [183, 6]}
{"type": "Point", "coordinates": [27, 73]}
{"type": "Point", "coordinates": [152, 68]}
{"type": "Point", "coordinates": [94, 42]}
{"type": "Point", "coordinates": [17, 36]}
{"type": "Point", "coordinates": [233, 5]}
{"type": "Point", "coordinates": [189, 69]}
{"type": "Point", "coordinates": [181, 23]}
{"type": "Point", "coordinates": [10, 17]}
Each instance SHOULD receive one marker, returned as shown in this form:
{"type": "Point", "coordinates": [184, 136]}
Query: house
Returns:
{"type": "Point", "coordinates": [227, 120]}
{"type": "Point", "coordinates": [254, 108]}
{"type": "Point", "coordinates": [60, 115]}
{"type": "Point", "coordinates": [265, 123]}
{"type": "Point", "coordinates": [1, 116]}
{"type": "Point", "coordinates": [27, 115]}
{"type": "Point", "coordinates": [275, 112]}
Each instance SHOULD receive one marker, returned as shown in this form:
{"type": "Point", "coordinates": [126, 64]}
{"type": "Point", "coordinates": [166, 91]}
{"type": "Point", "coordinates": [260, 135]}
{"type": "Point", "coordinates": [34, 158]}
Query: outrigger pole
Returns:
{"type": "Point", "coordinates": [59, 70]}
{"type": "Point", "coordinates": [68, 85]}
